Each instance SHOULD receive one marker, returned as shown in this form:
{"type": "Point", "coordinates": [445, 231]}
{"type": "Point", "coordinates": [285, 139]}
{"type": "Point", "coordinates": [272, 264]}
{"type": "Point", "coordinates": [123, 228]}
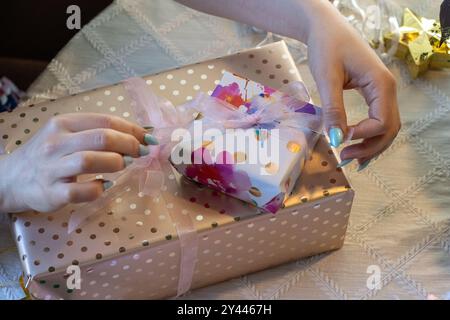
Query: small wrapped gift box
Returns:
{"type": "Point", "coordinates": [259, 141]}
{"type": "Point", "coordinates": [187, 235]}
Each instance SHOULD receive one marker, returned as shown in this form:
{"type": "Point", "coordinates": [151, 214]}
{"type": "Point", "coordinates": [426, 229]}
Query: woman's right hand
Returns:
{"type": "Point", "coordinates": [41, 174]}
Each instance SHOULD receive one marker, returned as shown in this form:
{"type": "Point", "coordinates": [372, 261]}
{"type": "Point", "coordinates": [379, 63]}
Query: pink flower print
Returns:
{"type": "Point", "coordinates": [268, 91]}
{"type": "Point", "coordinates": [230, 93]}
{"type": "Point", "coordinates": [221, 175]}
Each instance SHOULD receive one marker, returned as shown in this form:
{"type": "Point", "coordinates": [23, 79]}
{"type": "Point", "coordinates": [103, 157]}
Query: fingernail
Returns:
{"type": "Point", "coordinates": [127, 160]}
{"type": "Point", "coordinates": [107, 184]}
{"type": "Point", "coordinates": [143, 150]}
{"type": "Point", "coordinates": [336, 136]}
{"type": "Point", "coordinates": [148, 128]}
{"type": "Point", "coordinates": [363, 165]}
{"type": "Point", "coordinates": [344, 162]}
{"type": "Point", "coordinates": [150, 139]}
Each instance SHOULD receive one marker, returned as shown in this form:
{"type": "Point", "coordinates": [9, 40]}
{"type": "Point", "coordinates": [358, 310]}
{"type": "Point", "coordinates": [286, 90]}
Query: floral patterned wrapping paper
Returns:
{"type": "Point", "coordinates": [130, 251]}
{"type": "Point", "coordinates": [240, 170]}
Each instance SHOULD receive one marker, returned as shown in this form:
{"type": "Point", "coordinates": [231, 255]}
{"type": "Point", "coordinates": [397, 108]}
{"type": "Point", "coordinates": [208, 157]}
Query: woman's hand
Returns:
{"type": "Point", "coordinates": [339, 59]}
{"type": "Point", "coordinates": [41, 174]}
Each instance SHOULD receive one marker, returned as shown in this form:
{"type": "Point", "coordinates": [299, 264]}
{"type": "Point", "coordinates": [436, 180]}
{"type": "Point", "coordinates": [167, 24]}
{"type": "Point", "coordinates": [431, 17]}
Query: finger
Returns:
{"type": "Point", "coordinates": [77, 122]}
{"type": "Point", "coordinates": [367, 149]}
{"type": "Point", "coordinates": [78, 192]}
{"type": "Point", "coordinates": [330, 90]}
{"type": "Point", "coordinates": [90, 162]}
{"type": "Point", "coordinates": [368, 128]}
{"type": "Point", "coordinates": [101, 140]}
{"type": "Point", "coordinates": [381, 96]}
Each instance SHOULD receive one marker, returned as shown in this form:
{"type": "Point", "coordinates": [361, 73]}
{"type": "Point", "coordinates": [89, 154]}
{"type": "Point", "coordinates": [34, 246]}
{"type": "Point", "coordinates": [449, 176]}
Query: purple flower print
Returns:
{"type": "Point", "coordinates": [220, 175]}
{"type": "Point", "coordinates": [274, 204]}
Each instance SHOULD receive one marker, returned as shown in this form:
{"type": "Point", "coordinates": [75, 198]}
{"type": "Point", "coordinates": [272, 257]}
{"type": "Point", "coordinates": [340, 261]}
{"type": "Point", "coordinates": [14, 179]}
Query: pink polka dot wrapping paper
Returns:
{"type": "Point", "coordinates": [130, 251]}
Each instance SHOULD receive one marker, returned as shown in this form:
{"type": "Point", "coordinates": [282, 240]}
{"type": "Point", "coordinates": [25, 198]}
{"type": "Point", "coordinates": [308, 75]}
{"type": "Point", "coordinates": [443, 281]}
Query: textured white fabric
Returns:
{"type": "Point", "coordinates": [400, 221]}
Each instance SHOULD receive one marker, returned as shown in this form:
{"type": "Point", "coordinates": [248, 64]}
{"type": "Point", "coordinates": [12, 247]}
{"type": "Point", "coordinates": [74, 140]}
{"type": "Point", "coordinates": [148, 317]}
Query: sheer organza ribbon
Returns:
{"type": "Point", "coordinates": [151, 170]}
{"type": "Point", "coordinates": [151, 110]}
{"type": "Point", "coordinates": [289, 110]}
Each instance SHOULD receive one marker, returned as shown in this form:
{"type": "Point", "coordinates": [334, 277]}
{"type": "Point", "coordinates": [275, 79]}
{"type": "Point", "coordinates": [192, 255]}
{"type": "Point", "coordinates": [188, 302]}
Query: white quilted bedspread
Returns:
{"type": "Point", "coordinates": [400, 221]}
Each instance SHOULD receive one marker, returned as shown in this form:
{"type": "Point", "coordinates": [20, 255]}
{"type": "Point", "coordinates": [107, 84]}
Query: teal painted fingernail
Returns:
{"type": "Point", "coordinates": [150, 139]}
{"type": "Point", "coordinates": [336, 136]}
{"type": "Point", "coordinates": [143, 150]}
{"type": "Point", "coordinates": [127, 160]}
{"type": "Point", "coordinates": [363, 165]}
{"type": "Point", "coordinates": [344, 162]}
{"type": "Point", "coordinates": [107, 184]}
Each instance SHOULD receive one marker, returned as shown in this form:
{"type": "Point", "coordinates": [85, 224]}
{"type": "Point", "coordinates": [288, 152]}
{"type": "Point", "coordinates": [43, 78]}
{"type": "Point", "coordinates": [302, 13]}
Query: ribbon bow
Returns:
{"type": "Point", "coordinates": [287, 109]}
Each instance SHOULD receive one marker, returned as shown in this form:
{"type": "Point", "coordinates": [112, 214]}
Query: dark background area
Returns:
{"type": "Point", "coordinates": [34, 31]}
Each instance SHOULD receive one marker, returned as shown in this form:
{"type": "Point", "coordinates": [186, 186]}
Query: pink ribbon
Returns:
{"type": "Point", "coordinates": [150, 110]}
{"type": "Point", "coordinates": [285, 112]}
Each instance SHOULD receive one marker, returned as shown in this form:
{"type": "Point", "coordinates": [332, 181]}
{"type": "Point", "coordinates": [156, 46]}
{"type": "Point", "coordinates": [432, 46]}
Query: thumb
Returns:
{"type": "Point", "coordinates": [335, 119]}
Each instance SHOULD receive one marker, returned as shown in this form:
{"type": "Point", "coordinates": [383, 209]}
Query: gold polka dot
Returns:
{"type": "Point", "coordinates": [239, 157]}
{"type": "Point", "coordinates": [271, 168]}
{"type": "Point", "coordinates": [293, 147]}
{"type": "Point", "coordinates": [255, 191]}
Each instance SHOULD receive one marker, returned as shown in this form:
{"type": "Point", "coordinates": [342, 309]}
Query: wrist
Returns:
{"type": "Point", "coordinates": [319, 16]}
{"type": "Point", "coordinates": [7, 197]}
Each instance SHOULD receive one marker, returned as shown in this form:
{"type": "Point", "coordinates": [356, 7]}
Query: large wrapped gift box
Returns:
{"type": "Point", "coordinates": [130, 251]}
